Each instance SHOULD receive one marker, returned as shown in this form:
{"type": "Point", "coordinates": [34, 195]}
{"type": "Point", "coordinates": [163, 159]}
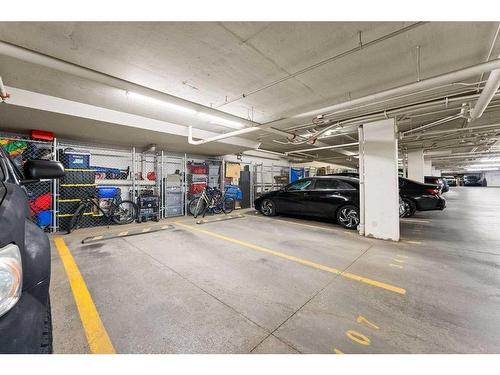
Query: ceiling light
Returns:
{"type": "Point", "coordinates": [170, 106]}
{"type": "Point", "coordinates": [216, 120]}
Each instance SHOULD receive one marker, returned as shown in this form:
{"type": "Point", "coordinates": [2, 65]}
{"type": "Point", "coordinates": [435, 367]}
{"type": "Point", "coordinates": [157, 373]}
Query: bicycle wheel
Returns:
{"type": "Point", "coordinates": [229, 204]}
{"type": "Point", "coordinates": [124, 213]}
{"type": "Point", "coordinates": [73, 224]}
{"type": "Point", "coordinates": [197, 206]}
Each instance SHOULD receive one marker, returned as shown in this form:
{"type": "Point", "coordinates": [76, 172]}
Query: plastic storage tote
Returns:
{"type": "Point", "coordinates": [107, 191]}
{"type": "Point", "coordinates": [76, 159]}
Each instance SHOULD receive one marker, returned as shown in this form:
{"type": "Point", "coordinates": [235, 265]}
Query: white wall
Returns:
{"type": "Point", "coordinates": [492, 178]}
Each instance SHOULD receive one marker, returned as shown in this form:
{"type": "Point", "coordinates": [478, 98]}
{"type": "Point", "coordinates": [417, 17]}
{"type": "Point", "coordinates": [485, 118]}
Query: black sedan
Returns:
{"type": "Point", "coordinates": [420, 197]}
{"type": "Point", "coordinates": [325, 196]}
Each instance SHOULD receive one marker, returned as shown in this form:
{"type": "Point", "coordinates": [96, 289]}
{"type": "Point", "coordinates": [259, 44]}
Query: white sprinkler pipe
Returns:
{"type": "Point", "coordinates": [217, 137]}
{"type": "Point", "coordinates": [490, 89]}
{"type": "Point", "coordinates": [443, 79]}
{"type": "Point", "coordinates": [3, 91]}
{"type": "Point", "coordinates": [323, 148]}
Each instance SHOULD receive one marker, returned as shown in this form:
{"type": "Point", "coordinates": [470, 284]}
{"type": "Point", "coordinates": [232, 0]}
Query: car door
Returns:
{"type": "Point", "coordinates": [327, 195]}
{"type": "Point", "coordinates": [291, 200]}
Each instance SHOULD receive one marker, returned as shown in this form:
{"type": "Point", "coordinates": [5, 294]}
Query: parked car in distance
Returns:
{"type": "Point", "coordinates": [321, 196]}
{"type": "Point", "coordinates": [473, 180]}
{"type": "Point", "coordinates": [25, 316]}
{"type": "Point", "coordinates": [441, 182]}
{"type": "Point", "coordinates": [451, 180]}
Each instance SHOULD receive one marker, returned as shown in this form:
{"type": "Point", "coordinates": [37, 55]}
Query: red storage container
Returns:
{"type": "Point", "coordinates": [197, 187]}
{"type": "Point", "coordinates": [42, 135]}
{"type": "Point", "coordinates": [199, 169]}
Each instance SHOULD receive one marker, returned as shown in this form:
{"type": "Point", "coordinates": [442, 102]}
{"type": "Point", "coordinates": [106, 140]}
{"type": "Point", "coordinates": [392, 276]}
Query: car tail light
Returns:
{"type": "Point", "coordinates": [432, 191]}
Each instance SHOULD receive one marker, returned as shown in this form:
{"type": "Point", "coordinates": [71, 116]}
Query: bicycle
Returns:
{"type": "Point", "coordinates": [211, 200]}
{"type": "Point", "coordinates": [122, 212]}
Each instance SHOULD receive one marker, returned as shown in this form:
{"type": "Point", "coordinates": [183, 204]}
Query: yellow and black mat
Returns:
{"type": "Point", "coordinates": [127, 233]}
{"type": "Point", "coordinates": [217, 219]}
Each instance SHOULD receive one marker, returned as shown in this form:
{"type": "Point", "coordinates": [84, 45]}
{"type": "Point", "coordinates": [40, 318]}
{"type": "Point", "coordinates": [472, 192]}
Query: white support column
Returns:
{"type": "Point", "coordinates": [427, 167]}
{"type": "Point", "coordinates": [379, 191]}
{"type": "Point", "coordinates": [416, 165]}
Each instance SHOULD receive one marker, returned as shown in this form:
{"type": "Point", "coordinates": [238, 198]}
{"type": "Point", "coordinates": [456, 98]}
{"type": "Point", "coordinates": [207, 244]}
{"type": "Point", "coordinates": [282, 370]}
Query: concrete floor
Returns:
{"type": "Point", "coordinates": [219, 291]}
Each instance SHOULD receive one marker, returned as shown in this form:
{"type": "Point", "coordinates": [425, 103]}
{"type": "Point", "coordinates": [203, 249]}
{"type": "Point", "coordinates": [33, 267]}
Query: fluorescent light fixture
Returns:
{"type": "Point", "coordinates": [170, 106]}
{"type": "Point", "coordinates": [481, 169]}
{"type": "Point", "coordinates": [216, 120]}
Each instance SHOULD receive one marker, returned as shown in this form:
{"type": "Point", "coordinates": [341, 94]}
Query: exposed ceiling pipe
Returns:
{"type": "Point", "coordinates": [490, 89]}
{"type": "Point", "coordinates": [50, 62]}
{"type": "Point", "coordinates": [323, 148]}
{"type": "Point", "coordinates": [490, 52]}
{"type": "Point", "coordinates": [47, 61]}
{"type": "Point", "coordinates": [440, 132]}
{"type": "Point", "coordinates": [361, 46]}
{"type": "Point", "coordinates": [439, 80]}
{"type": "Point", "coordinates": [475, 155]}
{"type": "Point", "coordinates": [432, 124]}
{"type": "Point", "coordinates": [3, 91]}
{"type": "Point", "coordinates": [351, 123]}
{"type": "Point", "coordinates": [217, 137]}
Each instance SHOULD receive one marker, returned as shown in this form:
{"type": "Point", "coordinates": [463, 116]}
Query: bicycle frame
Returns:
{"type": "Point", "coordinates": [108, 215]}
{"type": "Point", "coordinates": [213, 201]}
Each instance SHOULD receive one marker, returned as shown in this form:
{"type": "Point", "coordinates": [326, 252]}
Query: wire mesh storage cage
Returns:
{"type": "Point", "coordinates": [269, 177]}
{"type": "Point", "coordinates": [100, 174]}
{"type": "Point", "coordinates": [173, 185]}
{"type": "Point", "coordinates": [40, 194]}
{"type": "Point", "coordinates": [200, 174]}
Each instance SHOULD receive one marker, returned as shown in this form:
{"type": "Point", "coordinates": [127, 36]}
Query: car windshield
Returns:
{"type": "Point", "coordinates": [15, 167]}
{"type": "Point", "coordinates": [299, 185]}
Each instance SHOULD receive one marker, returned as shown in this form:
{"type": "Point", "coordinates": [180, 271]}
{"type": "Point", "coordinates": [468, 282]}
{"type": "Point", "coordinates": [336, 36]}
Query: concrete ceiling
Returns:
{"type": "Point", "coordinates": [214, 64]}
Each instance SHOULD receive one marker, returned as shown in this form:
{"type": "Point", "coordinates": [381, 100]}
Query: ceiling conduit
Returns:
{"type": "Point", "coordinates": [489, 91]}
{"type": "Point", "coordinates": [443, 79]}
{"type": "Point", "coordinates": [323, 148]}
{"type": "Point", "coordinates": [70, 68]}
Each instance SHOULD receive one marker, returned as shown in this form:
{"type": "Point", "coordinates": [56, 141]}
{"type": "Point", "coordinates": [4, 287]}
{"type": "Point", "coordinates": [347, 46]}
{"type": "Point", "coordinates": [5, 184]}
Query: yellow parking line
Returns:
{"type": "Point", "coordinates": [414, 242]}
{"type": "Point", "coordinates": [97, 337]}
{"type": "Point", "coordinates": [395, 265]}
{"type": "Point", "coordinates": [146, 230]}
{"type": "Point", "coordinates": [305, 262]}
{"type": "Point", "coordinates": [415, 221]}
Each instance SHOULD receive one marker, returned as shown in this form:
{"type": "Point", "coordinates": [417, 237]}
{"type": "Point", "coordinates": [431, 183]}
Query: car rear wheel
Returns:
{"type": "Point", "coordinates": [410, 207]}
{"type": "Point", "coordinates": [348, 216]}
{"type": "Point", "coordinates": [268, 208]}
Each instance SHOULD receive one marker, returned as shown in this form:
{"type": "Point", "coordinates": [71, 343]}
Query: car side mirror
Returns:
{"type": "Point", "coordinates": [35, 170]}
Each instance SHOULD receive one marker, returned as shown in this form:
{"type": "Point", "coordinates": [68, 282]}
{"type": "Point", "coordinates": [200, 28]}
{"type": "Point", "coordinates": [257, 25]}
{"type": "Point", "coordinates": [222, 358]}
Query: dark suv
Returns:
{"type": "Point", "coordinates": [25, 319]}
